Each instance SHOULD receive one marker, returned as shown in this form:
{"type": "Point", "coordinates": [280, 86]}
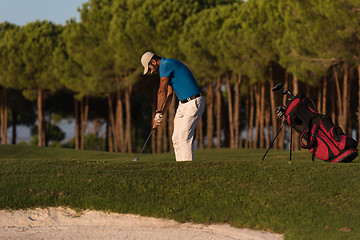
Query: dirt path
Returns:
{"type": "Point", "coordinates": [63, 223]}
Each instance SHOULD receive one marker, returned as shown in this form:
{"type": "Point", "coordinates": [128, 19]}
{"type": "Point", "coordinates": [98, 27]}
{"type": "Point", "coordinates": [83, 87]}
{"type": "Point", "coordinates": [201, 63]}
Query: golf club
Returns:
{"type": "Point", "coordinates": [287, 92]}
{"type": "Point", "coordinates": [278, 87]}
{"type": "Point", "coordinates": [137, 159]}
{"type": "Point", "coordinates": [280, 111]}
{"type": "Point", "coordinates": [281, 88]}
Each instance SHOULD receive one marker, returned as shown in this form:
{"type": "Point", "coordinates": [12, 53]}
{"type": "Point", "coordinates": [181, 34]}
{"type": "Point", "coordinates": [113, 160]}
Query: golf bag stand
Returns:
{"type": "Point", "coordinates": [272, 142]}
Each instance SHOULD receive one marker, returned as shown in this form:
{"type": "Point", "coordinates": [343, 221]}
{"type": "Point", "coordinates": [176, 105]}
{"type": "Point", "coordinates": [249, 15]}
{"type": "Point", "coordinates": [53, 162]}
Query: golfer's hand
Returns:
{"type": "Point", "coordinates": [157, 120]}
{"type": "Point", "coordinates": [155, 125]}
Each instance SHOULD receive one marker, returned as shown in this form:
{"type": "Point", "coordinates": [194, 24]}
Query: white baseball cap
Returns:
{"type": "Point", "coordinates": [145, 59]}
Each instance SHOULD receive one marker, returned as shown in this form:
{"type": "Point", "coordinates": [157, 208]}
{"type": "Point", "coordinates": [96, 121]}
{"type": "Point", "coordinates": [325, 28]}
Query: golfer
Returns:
{"type": "Point", "coordinates": [175, 76]}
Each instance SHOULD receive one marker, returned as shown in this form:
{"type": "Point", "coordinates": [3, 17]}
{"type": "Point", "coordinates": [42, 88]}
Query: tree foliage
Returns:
{"type": "Point", "coordinates": [318, 35]}
{"type": "Point", "coordinates": [200, 42]}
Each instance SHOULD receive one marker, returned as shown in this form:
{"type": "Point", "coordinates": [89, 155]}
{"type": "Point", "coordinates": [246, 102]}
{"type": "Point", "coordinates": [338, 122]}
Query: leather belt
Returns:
{"type": "Point", "coordinates": [190, 98]}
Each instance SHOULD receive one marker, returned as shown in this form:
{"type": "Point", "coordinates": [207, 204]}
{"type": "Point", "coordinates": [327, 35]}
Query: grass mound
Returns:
{"type": "Point", "coordinates": [303, 199]}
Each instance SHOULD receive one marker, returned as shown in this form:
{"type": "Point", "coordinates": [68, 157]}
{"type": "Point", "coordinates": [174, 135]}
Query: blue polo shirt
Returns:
{"type": "Point", "coordinates": [181, 79]}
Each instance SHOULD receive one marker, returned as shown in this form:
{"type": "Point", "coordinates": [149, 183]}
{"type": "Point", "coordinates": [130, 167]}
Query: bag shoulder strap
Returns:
{"type": "Point", "coordinates": [312, 143]}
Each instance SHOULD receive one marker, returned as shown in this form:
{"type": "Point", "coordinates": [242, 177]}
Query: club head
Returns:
{"type": "Point", "coordinates": [280, 114]}
{"type": "Point", "coordinates": [135, 160]}
{"type": "Point", "coordinates": [284, 92]}
{"type": "Point", "coordinates": [278, 87]}
{"type": "Point", "coordinates": [280, 111]}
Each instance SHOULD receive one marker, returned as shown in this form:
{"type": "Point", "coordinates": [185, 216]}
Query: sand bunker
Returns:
{"type": "Point", "coordinates": [64, 223]}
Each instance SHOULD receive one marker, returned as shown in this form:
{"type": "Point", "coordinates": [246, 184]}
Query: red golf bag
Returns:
{"type": "Point", "coordinates": [317, 132]}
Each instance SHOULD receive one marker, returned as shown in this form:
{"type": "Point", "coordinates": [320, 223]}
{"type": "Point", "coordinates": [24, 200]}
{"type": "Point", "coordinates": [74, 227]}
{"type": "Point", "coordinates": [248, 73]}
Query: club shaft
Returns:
{"type": "Point", "coordinates": [146, 142]}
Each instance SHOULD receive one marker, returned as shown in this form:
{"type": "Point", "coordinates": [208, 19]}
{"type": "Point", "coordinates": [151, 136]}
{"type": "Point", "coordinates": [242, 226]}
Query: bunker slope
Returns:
{"type": "Point", "coordinates": [65, 223]}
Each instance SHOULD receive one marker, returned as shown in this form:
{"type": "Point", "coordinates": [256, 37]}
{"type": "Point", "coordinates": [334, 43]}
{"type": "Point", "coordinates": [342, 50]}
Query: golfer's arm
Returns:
{"type": "Point", "coordinates": [165, 94]}
{"type": "Point", "coordinates": [168, 99]}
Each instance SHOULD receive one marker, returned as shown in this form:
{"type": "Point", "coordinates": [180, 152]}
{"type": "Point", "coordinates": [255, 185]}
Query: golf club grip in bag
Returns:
{"type": "Point", "coordinates": [317, 132]}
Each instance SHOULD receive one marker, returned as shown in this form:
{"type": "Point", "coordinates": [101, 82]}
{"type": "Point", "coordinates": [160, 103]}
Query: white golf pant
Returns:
{"type": "Point", "coordinates": [186, 118]}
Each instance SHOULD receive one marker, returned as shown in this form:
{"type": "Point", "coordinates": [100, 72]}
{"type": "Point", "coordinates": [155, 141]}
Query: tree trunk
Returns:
{"type": "Point", "coordinates": [44, 131]}
{"type": "Point", "coordinates": [296, 91]}
{"type": "Point", "coordinates": [267, 125]}
{"type": "Point", "coordinates": [230, 109]}
{"type": "Point", "coordinates": [2, 114]}
{"type": "Point", "coordinates": [319, 97]}
{"type": "Point", "coordinates": [339, 106]}
{"type": "Point", "coordinates": [77, 124]}
{"type": "Point", "coordinates": [345, 99]}
{"type": "Point", "coordinates": [110, 135]}
{"type": "Point", "coordinates": [324, 94]}
{"type": "Point", "coordinates": [40, 116]}
{"type": "Point", "coordinates": [82, 116]}
{"type": "Point", "coordinates": [247, 119]}
{"type": "Point", "coordinates": [119, 118]}
{"type": "Point", "coordinates": [113, 140]}
{"type": "Point", "coordinates": [358, 113]}
{"type": "Point", "coordinates": [262, 114]}
{"type": "Point", "coordinates": [295, 85]}
{"type": "Point", "coordinates": [84, 119]}
{"type": "Point", "coordinates": [199, 135]}
{"type": "Point", "coordinates": [4, 117]}
{"type": "Point", "coordinates": [218, 112]}
{"type": "Point", "coordinates": [128, 139]}
{"type": "Point", "coordinates": [107, 147]}
{"type": "Point", "coordinates": [257, 115]}
{"type": "Point", "coordinates": [333, 105]}
{"type": "Point", "coordinates": [351, 114]}
{"type": "Point", "coordinates": [240, 118]}
{"type": "Point", "coordinates": [224, 129]}
{"type": "Point", "coordinates": [210, 115]}
{"type": "Point", "coordinates": [251, 119]}
{"type": "Point", "coordinates": [342, 98]}
{"type": "Point", "coordinates": [237, 110]}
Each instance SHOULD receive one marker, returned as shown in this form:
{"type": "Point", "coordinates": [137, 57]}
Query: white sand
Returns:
{"type": "Point", "coordinates": [64, 223]}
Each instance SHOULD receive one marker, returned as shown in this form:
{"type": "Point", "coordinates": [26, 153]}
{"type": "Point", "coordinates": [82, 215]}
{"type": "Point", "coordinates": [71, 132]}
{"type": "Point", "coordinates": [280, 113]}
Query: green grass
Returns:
{"type": "Point", "coordinates": [303, 199]}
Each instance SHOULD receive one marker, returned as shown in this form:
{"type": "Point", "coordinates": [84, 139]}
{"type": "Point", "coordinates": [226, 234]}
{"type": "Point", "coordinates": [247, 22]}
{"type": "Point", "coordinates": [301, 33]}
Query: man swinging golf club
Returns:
{"type": "Point", "coordinates": [175, 76]}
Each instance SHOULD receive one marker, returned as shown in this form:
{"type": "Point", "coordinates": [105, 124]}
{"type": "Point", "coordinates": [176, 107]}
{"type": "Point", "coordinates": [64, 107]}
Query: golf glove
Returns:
{"type": "Point", "coordinates": [158, 118]}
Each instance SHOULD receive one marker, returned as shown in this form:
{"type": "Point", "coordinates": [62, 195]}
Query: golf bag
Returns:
{"type": "Point", "coordinates": [317, 132]}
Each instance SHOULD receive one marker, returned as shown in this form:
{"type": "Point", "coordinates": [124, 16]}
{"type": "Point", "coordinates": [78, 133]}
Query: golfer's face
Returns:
{"type": "Point", "coordinates": [154, 69]}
